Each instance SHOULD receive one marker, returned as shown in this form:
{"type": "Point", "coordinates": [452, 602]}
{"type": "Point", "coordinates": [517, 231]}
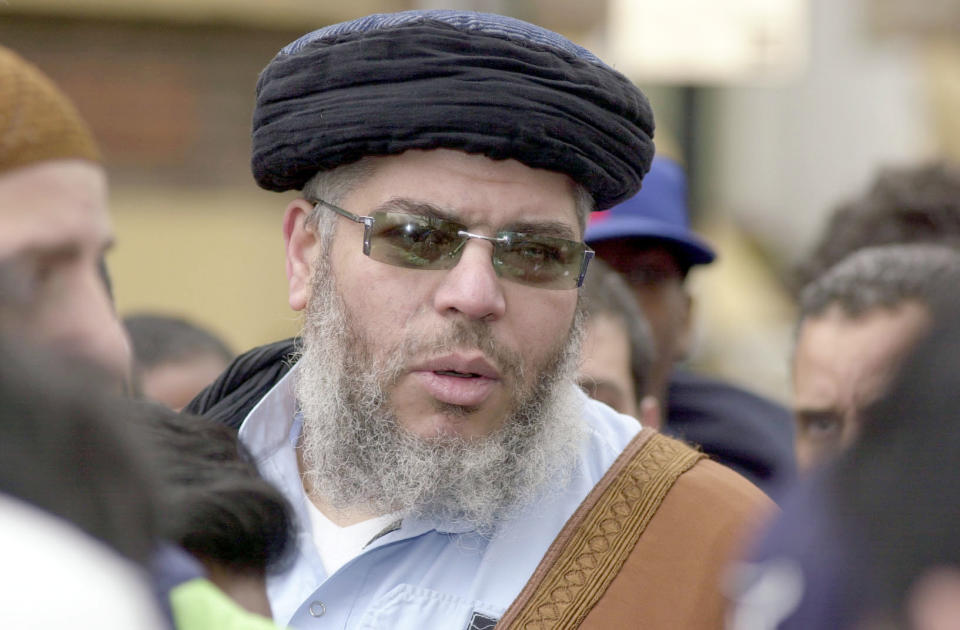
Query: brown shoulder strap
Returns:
{"type": "Point", "coordinates": [596, 541]}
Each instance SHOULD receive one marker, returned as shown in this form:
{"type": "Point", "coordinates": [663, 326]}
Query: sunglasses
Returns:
{"type": "Point", "coordinates": [425, 242]}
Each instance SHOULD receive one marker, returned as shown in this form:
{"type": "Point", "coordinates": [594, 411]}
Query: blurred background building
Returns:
{"type": "Point", "coordinates": [779, 108]}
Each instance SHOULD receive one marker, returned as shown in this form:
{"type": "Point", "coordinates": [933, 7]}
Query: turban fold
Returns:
{"type": "Point", "coordinates": [37, 122]}
{"type": "Point", "coordinates": [476, 82]}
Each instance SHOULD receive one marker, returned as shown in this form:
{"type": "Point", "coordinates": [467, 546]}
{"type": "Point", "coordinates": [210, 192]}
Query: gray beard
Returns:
{"type": "Point", "coordinates": [355, 454]}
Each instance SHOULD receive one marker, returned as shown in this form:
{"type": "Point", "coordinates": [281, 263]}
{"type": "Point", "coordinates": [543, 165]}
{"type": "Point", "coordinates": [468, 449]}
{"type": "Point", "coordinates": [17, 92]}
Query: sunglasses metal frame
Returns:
{"type": "Point", "coordinates": [367, 222]}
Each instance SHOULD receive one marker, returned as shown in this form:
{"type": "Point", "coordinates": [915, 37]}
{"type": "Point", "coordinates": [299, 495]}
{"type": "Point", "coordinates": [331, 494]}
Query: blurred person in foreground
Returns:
{"type": "Point", "coordinates": [54, 226]}
{"type": "Point", "coordinates": [617, 347]}
{"type": "Point", "coordinates": [78, 520]}
{"type": "Point", "coordinates": [856, 323]}
{"type": "Point", "coordinates": [174, 359]}
{"type": "Point", "coordinates": [913, 204]}
{"type": "Point", "coordinates": [96, 491]}
{"type": "Point", "coordinates": [141, 485]}
{"type": "Point", "coordinates": [870, 541]}
{"type": "Point", "coordinates": [647, 239]}
{"type": "Point", "coordinates": [428, 430]}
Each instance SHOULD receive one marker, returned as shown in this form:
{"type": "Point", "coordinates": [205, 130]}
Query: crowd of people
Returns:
{"type": "Point", "coordinates": [484, 421]}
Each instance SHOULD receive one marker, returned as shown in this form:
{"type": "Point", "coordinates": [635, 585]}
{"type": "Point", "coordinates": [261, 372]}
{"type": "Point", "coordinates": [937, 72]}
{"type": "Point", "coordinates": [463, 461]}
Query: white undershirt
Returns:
{"type": "Point", "coordinates": [339, 545]}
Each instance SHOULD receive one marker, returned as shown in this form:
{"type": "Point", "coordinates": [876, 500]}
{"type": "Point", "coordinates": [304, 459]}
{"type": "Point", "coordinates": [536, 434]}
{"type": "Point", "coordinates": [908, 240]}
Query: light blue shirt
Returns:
{"type": "Point", "coordinates": [422, 574]}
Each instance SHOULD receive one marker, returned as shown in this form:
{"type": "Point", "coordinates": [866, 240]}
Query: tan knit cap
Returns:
{"type": "Point", "coordinates": [37, 121]}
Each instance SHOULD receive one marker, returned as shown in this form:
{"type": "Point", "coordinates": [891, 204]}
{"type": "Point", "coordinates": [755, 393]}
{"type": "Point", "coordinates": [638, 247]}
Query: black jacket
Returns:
{"type": "Point", "coordinates": [751, 434]}
{"type": "Point", "coordinates": [246, 380]}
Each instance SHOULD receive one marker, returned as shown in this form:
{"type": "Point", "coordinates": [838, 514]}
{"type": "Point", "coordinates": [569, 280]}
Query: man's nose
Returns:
{"type": "Point", "coordinates": [472, 286]}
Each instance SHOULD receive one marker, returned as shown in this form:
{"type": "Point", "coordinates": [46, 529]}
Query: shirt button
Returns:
{"type": "Point", "coordinates": [317, 609]}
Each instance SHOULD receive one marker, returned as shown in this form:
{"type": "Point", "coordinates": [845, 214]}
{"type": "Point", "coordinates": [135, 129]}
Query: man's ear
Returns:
{"type": "Point", "coordinates": [302, 247]}
{"type": "Point", "coordinates": [650, 413]}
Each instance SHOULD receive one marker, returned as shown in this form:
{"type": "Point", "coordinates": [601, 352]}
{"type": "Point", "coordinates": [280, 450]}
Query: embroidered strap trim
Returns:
{"type": "Point", "coordinates": [596, 541]}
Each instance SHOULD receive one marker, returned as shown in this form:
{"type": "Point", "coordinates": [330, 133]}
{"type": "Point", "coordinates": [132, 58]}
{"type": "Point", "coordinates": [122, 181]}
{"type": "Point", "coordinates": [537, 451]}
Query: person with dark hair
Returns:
{"type": "Point", "coordinates": [215, 505]}
{"type": "Point", "coordinates": [870, 542]}
{"type": "Point", "coordinates": [426, 426]}
{"type": "Point", "coordinates": [93, 488]}
{"type": "Point", "coordinates": [617, 347]}
{"type": "Point", "coordinates": [856, 322]}
{"type": "Point", "coordinates": [77, 503]}
{"type": "Point", "coordinates": [916, 204]}
{"type": "Point", "coordinates": [896, 497]}
{"type": "Point", "coordinates": [54, 226]}
{"type": "Point", "coordinates": [174, 359]}
{"type": "Point", "coordinates": [648, 240]}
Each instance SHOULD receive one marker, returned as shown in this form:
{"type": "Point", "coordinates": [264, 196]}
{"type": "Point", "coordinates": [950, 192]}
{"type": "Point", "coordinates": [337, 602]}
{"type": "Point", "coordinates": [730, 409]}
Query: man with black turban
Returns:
{"type": "Point", "coordinates": [445, 469]}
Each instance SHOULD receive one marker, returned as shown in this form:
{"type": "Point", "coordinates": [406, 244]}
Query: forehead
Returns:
{"type": "Point", "coordinates": [844, 362]}
{"type": "Point", "coordinates": [52, 204]}
{"type": "Point", "coordinates": [478, 191]}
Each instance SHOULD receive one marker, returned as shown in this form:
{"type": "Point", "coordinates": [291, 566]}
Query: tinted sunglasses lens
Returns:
{"type": "Point", "coordinates": [408, 240]}
{"type": "Point", "coordinates": [541, 261]}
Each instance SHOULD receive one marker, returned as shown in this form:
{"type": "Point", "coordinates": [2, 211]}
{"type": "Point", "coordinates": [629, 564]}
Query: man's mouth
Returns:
{"type": "Point", "coordinates": [457, 374]}
{"type": "Point", "coordinates": [458, 379]}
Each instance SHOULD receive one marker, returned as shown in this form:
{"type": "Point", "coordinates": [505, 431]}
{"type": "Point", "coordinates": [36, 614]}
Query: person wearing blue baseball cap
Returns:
{"type": "Point", "coordinates": [648, 240]}
{"type": "Point", "coordinates": [426, 426]}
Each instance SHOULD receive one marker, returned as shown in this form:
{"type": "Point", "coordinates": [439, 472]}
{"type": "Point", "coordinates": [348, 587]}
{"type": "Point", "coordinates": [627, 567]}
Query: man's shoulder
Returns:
{"type": "Point", "coordinates": [711, 503]}
{"type": "Point", "coordinates": [703, 494]}
{"type": "Point", "coordinates": [664, 521]}
{"type": "Point", "coordinates": [680, 561]}
{"type": "Point", "coordinates": [715, 489]}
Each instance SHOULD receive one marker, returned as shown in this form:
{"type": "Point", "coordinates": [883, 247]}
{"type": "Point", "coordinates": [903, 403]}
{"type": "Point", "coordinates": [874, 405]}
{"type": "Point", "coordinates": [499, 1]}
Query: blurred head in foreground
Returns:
{"type": "Point", "coordinates": [856, 323]}
{"type": "Point", "coordinates": [869, 541]}
{"type": "Point", "coordinates": [54, 226]}
{"type": "Point", "coordinates": [896, 494]}
{"type": "Point", "coordinates": [77, 500]}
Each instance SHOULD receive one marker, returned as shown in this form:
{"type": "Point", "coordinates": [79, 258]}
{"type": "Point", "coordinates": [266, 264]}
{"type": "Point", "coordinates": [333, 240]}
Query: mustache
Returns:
{"type": "Point", "coordinates": [459, 335]}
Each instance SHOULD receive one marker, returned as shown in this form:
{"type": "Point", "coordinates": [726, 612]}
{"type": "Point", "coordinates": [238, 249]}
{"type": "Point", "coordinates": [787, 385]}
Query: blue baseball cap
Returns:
{"type": "Point", "coordinates": [657, 212]}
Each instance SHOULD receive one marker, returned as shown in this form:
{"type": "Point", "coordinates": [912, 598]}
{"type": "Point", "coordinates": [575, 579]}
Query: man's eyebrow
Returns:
{"type": "Point", "coordinates": [419, 208]}
{"type": "Point", "coordinates": [555, 229]}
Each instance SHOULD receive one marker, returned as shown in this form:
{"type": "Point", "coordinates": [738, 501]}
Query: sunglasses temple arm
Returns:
{"type": "Point", "coordinates": [366, 221]}
{"type": "Point", "coordinates": [587, 257]}
{"type": "Point", "coordinates": [343, 213]}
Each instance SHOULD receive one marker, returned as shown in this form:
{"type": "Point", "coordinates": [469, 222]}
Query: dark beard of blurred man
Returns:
{"type": "Point", "coordinates": [354, 453]}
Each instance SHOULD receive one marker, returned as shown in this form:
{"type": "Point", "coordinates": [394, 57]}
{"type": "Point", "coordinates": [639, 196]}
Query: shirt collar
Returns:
{"type": "Point", "coordinates": [274, 422]}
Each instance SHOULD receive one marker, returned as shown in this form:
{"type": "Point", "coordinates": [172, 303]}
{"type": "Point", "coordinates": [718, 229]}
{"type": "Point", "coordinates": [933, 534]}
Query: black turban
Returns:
{"type": "Point", "coordinates": [480, 83]}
